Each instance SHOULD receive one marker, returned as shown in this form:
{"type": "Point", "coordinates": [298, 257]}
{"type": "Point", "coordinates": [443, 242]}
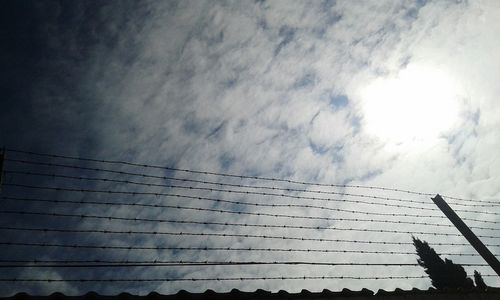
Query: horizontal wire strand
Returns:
{"type": "Point", "coordinates": [152, 263]}
{"type": "Point", "coordinates": [142, 175]}
{"type": "Point", "coordinates": [255, 193]}
{"type": "Point", "coordinates": [226, 201]}
{"type": "Point", "coordinates": [238, 224]}
{"type": "Point", "coordinates": [211, 263]}
{"type": "Point", "coordinates": [81, 178]}
{"type": "Point", "coordinates": [277, 237]}
{"type": "Point", "coordinates": [218, 200]}
{"type": "Point", "coordinates": [265, 214]}
{"type": "Point", "coordinates": [214, 173]}
{"type": "Point", "coordinates": [285, 216]}
{"type": "Point", "coordinates": [227, 224]}
{"type": "Point", "coordinates": [158, 194]}
{"type": "Point", "coordinates": [244, 176]}
{"type": "Point", "coordinates": [81, 280]}
{"type": "Point", "coordinates": [245, 249]}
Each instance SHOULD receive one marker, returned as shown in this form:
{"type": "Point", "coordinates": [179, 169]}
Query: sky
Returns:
{"type": "Point", "coordinates": [396, 94]}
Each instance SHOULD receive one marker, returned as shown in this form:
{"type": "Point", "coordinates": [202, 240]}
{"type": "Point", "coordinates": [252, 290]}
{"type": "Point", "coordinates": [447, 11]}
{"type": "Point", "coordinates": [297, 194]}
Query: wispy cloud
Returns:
{"type": "Point", "coordinates": [266, 88]}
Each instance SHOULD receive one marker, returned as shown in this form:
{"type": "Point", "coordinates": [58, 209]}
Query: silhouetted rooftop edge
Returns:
{"type": "Point", "coordinates": [490, 293]}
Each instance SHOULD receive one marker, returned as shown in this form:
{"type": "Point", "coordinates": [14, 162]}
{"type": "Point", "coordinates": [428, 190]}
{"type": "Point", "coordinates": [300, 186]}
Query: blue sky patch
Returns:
{"type": "Point", "coordinates": [339, 101]}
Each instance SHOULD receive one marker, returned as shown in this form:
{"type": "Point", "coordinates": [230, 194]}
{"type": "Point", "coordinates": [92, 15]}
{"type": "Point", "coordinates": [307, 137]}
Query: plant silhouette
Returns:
{"type": "Point", "coordinates": [443, 273]}
{"type": "Point", "coordinates": [479, 280]}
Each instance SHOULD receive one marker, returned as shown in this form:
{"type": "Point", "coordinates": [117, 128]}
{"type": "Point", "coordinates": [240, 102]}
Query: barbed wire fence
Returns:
{"type": "Point", "coordinates": [98, 221]}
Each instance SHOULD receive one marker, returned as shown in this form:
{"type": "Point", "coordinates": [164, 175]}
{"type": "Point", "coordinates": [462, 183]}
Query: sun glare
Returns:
{"type": "Point", "coordinates": [417, 105]}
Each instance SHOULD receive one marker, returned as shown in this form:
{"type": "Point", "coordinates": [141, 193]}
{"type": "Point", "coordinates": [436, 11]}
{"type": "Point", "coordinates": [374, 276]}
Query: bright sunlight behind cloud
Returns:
{"type": "Point", "coordinates": [418, 105]}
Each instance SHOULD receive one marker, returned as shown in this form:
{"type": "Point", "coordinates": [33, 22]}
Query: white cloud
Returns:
{"type": "Point", "coordinates": [249, 88]}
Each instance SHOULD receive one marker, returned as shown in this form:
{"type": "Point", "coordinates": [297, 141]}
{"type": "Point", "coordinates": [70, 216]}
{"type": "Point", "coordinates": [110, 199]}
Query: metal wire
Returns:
{"type": "Point", "coordinates": [241, 193]}
{"type": "Point", "coordinates": [82, 280]}
{"type": "Point", "coordinates": [245, 176]}
{"type": "Point", "coordinates": [286, 216]}
{"type": "Point", "coordinates": [245, 249]}
{"type": "Point", "coordinates": [236, 202]}
{"type": "Point", "coordinates": [264, 214]}
{"type": "Point", "coordinates": [278, 237]}
{"type": "Point", "coordinates": [6, 264]}
{"type": "Point", "coordinates": [161, 263]}
{"type": "Point", "coordinates": [218, 200]}
{"type": "Point", "coordinates": [54, 175]}
{"type": "Point", "coordinates": [212, 173]}
{"type": "Point", "coordinates": [181, 263]}
{"type": "Point", "coordinates": [227, 224]}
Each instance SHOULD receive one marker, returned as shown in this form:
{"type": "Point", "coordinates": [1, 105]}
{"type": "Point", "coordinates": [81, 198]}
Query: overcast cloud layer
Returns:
{"type": "Point", "coordinates": [267, 88]}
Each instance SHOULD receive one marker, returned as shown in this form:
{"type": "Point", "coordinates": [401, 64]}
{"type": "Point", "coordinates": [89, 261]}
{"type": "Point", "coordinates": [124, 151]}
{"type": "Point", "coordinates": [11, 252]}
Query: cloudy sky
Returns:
{"type": "Point", "coordinates": [397, 94]}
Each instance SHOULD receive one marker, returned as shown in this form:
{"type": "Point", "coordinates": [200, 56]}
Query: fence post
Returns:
{"type": "Point", "coordinates": [467, 233]}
